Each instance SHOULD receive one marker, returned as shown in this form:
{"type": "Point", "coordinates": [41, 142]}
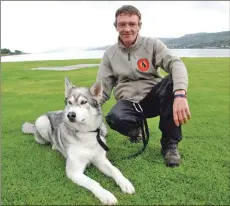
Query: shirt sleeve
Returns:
{"type": "Point", "coordinates": [171, 64]}
{"type": "Point", "coordinates": [105, 75]}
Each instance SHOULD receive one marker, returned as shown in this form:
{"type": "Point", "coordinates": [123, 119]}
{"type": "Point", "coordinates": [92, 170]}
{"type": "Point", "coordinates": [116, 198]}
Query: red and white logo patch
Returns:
{"type": "Point", "coordinates": [143, 64]}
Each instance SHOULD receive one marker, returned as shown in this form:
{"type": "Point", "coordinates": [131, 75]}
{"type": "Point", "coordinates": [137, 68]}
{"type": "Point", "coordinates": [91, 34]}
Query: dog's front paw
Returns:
{"type": "Point", "coordinates": [126, 186]}
{"type": "Point", "coordinates": [107, 198]}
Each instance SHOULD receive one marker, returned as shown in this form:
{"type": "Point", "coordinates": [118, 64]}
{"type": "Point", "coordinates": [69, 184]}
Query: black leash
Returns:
{"type": "Point", "coordinates": [144, 131]}
{"type": "Point", "coordinates": [103, 145]}
{"type": "Point", "coordinates": [145, 139]}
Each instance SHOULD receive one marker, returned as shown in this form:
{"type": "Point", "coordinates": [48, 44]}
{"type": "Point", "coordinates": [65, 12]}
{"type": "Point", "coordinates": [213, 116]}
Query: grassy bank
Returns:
{"type": "Point", "coordinates": [35, 175]}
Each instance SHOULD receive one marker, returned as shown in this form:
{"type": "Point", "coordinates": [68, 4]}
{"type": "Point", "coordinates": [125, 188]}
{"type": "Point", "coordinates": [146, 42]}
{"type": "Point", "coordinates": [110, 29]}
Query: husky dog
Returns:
{"type": "Point", "coordinates": [73, 132]}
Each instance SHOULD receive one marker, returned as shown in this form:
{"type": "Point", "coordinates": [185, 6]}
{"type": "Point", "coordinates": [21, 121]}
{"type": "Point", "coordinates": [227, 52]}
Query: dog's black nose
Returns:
{"type": "Point", "coordinates": [71, 116]}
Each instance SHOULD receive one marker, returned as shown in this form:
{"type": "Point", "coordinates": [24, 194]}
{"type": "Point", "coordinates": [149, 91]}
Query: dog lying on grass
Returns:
{"type": "Point", "coordinates": [73, 132]}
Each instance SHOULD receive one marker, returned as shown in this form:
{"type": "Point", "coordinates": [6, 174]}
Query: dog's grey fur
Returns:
{"type": "Point", "coordinates": [72, 132]}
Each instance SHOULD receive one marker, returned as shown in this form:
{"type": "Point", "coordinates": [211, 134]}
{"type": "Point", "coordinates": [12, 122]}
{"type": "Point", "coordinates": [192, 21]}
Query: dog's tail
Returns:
{"type": "Point", "coordinates": [28, 128]}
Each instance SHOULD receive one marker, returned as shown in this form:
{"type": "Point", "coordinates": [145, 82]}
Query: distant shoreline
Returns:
{"type": "Point", "coordinates": [191, 53]}
{"type": "Point", "coordinates": [100, 49]}
{"type": "Point", "coordinates": [3, 55]}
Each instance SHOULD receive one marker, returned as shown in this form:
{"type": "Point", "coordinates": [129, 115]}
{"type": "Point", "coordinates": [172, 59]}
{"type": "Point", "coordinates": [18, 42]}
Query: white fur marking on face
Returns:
{"type": "Point", "coordinates": [81, 114]}
{"type": "Point", "coordinates": [93, 111]}
{"type": "Point", "coordinates": [71, 99]}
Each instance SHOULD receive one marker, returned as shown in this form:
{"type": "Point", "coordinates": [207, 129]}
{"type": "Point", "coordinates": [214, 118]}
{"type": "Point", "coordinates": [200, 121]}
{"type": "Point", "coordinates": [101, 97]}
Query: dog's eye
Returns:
{"type": "Point", "coordinates": [83, 102]}
{"type": "Point", "coordinates": [69, 102]}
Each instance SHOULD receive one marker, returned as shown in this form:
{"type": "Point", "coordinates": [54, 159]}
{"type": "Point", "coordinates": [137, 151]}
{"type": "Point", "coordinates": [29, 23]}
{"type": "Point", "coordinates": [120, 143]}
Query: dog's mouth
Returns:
{"type": "Point", "coordinates": [72, 120]}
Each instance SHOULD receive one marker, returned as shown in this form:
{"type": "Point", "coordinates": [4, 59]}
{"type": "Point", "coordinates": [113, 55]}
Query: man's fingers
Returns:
{"type": "Point", "coordinates": [180, 117]}
{"type": "Point", "coordinates": [181, 114]}
{"type": "Point", "coordinates": [184, 116]}
{"type": "Point", "coordinates": [188, 113]}
{"type": "Point", "coordinates": [175, 118]}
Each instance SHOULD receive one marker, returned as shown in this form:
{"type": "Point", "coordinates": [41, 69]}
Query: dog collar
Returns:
{"type": "Point", "coordinates": [103, 145]}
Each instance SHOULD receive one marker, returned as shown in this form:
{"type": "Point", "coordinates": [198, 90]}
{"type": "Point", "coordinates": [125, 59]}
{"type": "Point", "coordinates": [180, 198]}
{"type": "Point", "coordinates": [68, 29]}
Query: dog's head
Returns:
{"type": "Point", "coordinates": [83, 111]}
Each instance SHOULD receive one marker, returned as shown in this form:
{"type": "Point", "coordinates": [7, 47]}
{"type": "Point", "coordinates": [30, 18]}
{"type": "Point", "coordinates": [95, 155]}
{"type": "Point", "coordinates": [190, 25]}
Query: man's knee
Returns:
{"type": "Point", "coordinates": [115, 115]}
{"type": "Point", "coordinates": [121, 119]}
{"type": "Point", "coordinates": [112, 118]}
{"type": "Point", "coordinates": [118, 124]}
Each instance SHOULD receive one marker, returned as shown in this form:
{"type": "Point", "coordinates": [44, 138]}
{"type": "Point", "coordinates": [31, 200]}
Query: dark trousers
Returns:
{"type": "Point", "coordinates": [158, 102]}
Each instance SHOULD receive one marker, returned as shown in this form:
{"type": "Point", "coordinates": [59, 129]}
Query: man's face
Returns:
{"type": "Point", "coordinates": [128, 28]}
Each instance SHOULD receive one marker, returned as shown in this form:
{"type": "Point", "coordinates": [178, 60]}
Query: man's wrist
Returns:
{"type": "Point", "coordinates": [180, 94]}
{"type": "Point", "coordinates": [181, 91]}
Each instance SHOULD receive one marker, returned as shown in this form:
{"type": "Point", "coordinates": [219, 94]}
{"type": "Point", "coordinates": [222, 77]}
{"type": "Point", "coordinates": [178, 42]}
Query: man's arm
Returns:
{"type": "Point", "coordinates": [105, 75]}
{"type": "Point", "coordinates": [173, 65]}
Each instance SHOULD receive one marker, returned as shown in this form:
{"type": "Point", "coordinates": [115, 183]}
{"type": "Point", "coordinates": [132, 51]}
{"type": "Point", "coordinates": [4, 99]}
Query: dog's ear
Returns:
{"type": "Point", "coordinates": [96, 90]}
{"type": "Point", "coordinates": [68, 86]}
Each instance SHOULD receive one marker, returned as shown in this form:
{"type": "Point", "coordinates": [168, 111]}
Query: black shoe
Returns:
{"type": "Point", "coordinates": [171, 156]}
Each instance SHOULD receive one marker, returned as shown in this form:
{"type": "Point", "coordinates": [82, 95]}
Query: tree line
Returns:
{"type": "Point", "coordinates": [5, 51]}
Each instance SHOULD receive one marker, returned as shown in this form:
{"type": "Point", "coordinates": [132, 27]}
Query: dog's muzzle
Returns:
{"type": "Point", "coordinates": [71, 116]}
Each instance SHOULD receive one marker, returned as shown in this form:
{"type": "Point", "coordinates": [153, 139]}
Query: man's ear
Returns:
{"type": "Point", "coordinates": [140, 25]}
{"type": "Point", "coordinates": [68, 86]}
{"type": "Point", "coordinates": [96, 90]}
{"type": "Point", "coordinates": [115, 25]}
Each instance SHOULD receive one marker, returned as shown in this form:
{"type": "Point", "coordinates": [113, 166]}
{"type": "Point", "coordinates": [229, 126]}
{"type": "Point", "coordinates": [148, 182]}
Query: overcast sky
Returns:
{"type": "Point", "coordinates": [37, 26]}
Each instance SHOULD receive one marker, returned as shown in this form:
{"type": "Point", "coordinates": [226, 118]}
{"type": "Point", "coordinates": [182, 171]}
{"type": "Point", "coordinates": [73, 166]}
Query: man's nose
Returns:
{"type": "Point", "coordinates": [127, 28]}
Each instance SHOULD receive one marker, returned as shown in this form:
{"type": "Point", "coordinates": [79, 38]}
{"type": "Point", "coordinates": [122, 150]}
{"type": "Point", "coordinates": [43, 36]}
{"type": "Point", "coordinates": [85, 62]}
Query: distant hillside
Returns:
{"type": "Point", "coordinates": [201, 40]}
{"type": "Point", "coordinates": [165, 40]}
{"type": "Point", "coordinates": [197, 40]}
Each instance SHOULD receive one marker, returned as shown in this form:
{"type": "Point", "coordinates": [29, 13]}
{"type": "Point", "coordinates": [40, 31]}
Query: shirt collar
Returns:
{"type": "Point", "coordinates": [136, 43]}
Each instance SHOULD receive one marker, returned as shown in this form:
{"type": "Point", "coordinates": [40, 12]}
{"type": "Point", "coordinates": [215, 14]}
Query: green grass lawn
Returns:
{"type": "Point", "coordinates": [33, 174]}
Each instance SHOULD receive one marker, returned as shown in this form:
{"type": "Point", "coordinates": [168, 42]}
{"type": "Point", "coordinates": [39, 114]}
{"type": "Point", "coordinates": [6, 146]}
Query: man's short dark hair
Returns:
{"type": "Point", "coordinates": [130, 10]}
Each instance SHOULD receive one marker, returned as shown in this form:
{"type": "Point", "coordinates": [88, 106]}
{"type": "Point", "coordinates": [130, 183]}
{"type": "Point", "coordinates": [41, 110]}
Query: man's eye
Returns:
{"type": "Point", "coordinates": [132, 24]}
{"type": "Point", "coordinates": [83, 102]}
{"type": "Point", "coordinates": [69, 102]}
{"type": "Point", "coordinates": [121, 25]}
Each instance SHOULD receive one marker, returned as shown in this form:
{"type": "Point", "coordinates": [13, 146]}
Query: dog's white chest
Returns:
{"type": "Point", "coordinates": [86, 148]}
